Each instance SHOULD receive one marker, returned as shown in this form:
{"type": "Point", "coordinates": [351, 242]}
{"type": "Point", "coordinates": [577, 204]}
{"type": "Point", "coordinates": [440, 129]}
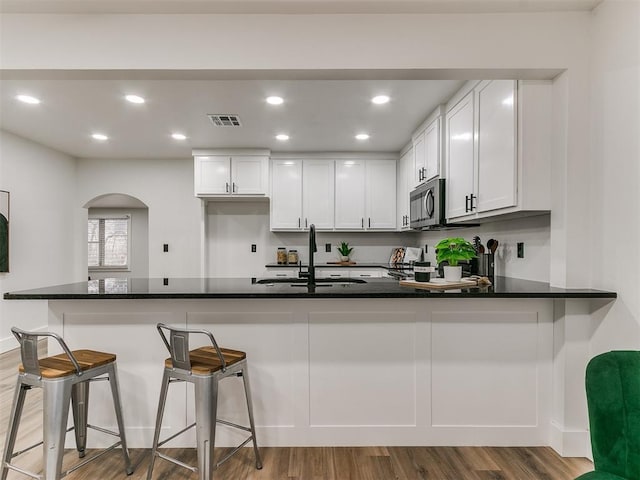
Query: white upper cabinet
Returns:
{"type": "Point", "coordinates": [498, 143]}
{"type": "Point", "coordinates": [249, 175]}
{"type": "Point", "coordinates": [404, 182]}
{"type": "Point", "coordinates": [350, 194]}
{"type": "Point", "coordinates": [212, 175]}
{"type": "Point", "coordinates": [427, 148]}
{"type": "Point", "coordinates": [365, 195]}
{"type": "Point", "coordinates": [318, 193]}
{"type": "Point", "coordinates": [381, 195]}
{"type": "Point", "coordinates": [230, 175]}
{"type": "Point", "coordinates": [286, 194]}
{"type": "Point", "coordinates": [419, 159]}
{"type": "Point", "coordinates": [460, 158]}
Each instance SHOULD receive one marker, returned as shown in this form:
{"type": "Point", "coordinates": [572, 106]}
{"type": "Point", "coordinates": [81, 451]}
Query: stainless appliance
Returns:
{"type": "Point", "coordinates": [427, 207]}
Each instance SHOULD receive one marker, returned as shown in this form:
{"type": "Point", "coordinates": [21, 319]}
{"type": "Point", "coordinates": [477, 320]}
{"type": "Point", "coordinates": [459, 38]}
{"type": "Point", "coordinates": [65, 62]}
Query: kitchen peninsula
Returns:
{"type": "Point", "coordinates": [345, 363]}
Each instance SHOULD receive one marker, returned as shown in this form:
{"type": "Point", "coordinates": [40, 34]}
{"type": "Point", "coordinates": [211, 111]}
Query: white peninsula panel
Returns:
{"type": "Point", "coordinates": [358, 364]}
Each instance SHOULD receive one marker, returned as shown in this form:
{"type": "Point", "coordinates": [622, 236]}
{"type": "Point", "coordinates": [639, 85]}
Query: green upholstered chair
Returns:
{"type": "Point", "coordinates": [613, 397]}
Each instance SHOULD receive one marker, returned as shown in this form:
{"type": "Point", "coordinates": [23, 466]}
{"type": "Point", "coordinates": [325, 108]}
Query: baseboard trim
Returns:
{"type": "Point", "coordinates": [10, 343]}
{"type": "Point", "coordinates": [570, 443]}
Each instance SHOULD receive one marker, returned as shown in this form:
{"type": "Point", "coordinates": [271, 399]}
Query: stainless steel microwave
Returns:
{"type": "Point", "coordinates": [427, 205]}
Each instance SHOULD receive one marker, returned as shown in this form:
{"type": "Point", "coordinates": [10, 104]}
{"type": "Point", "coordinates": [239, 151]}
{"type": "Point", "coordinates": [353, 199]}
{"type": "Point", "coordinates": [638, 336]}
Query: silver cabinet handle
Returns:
{"type": "Point", "coordinates": [281, 274]}
{"type": "Point", "coordinates": [299, 220]}
{"type": "Point", "coordinates": [233, 187]}
{"type": "Point", "coordinates": [369, 222]}
{"type": "Point", "coordinates": [226, 187]}
{"type": "Point", "coordinates": [362, 223]}
{"type": "Point", "coordinates": [306, 223]}
{"type": "Point", "coordinates": [364, 275]}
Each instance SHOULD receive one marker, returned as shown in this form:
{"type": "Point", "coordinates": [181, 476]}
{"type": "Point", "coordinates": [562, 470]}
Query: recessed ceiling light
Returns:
{"type": "Point", "coordinates": [275, 100]}
{"type": "Point", "coordinates": [380, 99]}
{"type": "Point", "coordinates": [178, 136]}
{"type": "Point", "coordinates": [362, 136]}
{"type": "Point", "coordinates": [282, 137]}
{"type": "Point", "coordinates": [28, 99]}
{"type": "Point", "coordinates": [99, 136]}
{"type": "Point", "coordinates": [134, 99]}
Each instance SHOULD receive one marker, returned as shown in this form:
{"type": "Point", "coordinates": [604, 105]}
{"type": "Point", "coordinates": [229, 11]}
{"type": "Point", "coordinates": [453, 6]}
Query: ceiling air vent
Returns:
{"type": "Point", "coordinates": [225, 119]}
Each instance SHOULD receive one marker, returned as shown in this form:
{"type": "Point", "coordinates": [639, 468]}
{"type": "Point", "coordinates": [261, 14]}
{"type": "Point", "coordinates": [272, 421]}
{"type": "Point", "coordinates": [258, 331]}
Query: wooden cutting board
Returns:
{"type": "Point", "coordinates": [438, 285]}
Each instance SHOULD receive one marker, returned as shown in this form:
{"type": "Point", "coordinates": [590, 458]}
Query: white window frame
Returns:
{"type": "Point", "coordinates": [111, 268]}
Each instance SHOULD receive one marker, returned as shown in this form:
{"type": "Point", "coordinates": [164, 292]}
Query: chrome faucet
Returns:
{"type": "Point", "coordinates": [310, 274]}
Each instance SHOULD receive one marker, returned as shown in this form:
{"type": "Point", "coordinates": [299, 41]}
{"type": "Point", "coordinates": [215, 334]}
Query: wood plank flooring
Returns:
{"type": "Point", "coordinates": [299, 463]}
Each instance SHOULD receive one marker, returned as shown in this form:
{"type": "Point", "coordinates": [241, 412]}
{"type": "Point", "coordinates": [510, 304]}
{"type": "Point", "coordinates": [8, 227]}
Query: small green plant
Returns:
{"type": "Point", "coordinates": [344, 249]}
{"type": "Point", "coordinates": [453, 250]}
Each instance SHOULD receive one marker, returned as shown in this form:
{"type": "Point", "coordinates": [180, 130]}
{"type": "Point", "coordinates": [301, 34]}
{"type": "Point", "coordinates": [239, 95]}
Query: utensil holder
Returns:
{"type": "Point", "coordinates": [486, 265]}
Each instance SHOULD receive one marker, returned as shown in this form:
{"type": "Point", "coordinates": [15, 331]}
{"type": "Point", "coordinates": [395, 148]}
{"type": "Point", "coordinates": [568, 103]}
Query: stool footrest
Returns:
{"type": "Point", "coordinates": [90, 459]}
{"type": "Point", "coordinates": [23, 472]}
{"type": "Point", "coordinates": [234, 425]}
{"type": "Point", "coordinates": [230, 454]}
{"type": "Point", "coordinates": [25, 450]}
{"type": "Point", "coordinates": [103, 430]}
{"type": "Point", "coordinates": [176, 434]}
{"type": "Point", "coordinates": [176, 462]}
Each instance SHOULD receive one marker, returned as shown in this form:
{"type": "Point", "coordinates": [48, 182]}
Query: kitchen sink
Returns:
{"type": "Point", "coordinates": [303, 281]}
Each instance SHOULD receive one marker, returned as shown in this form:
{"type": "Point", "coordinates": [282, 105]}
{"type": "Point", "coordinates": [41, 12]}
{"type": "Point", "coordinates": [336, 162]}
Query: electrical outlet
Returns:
{"type": "Point", "coordinates": [254, 248]}
{"type": "Point", "coordinates": [165, 247]}
{"type": "Point", "coordinates": [165, 281]}
{"type": "Point", "coordinates": [327, 247]}
{"type": "Point", "coordinates": [520, 249]}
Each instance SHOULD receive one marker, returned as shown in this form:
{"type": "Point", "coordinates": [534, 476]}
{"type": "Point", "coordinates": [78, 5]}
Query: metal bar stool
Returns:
{"type": "Point", "coordinates": [65, 379]}
{"type": "Point", "coordinates": [204, 367]}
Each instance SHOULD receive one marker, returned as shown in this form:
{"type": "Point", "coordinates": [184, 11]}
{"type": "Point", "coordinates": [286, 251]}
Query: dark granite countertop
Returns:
{"type": "Point", "coordinates": [403, 266]}
{"type": "Point", "coordinates": [154, 288]}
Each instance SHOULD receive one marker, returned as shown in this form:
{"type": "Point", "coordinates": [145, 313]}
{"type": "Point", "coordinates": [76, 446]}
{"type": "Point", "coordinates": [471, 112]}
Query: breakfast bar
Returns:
{"type": "Point", "coordinates": [346, 363]}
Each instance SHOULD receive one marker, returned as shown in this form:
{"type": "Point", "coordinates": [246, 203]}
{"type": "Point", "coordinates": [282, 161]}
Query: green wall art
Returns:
{"type": "Point", "coordinates": [4, 231]}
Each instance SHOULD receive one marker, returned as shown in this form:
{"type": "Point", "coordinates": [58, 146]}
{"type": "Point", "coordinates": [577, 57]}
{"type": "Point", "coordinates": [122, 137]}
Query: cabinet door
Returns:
{"type": "Point", "coordinates": [381, 195]}
{"type": "Point", "coordinates": [404, 183]}
{"type": "Point", "coordinates": [318, 193]}
{"type": "Point", "coordinates": [497, 156]}
{"type": "Point", "coordinates": [212, 175]}
{"type": "Point", "coordinates": [365, 273]}
{"type": "Point", "coordinates": [286, 194]}
{"type": "Point", "coordinates": [249, 175]}
{"type": "Point", "coordinates": [332, 272]}
{"type": "Point", "coordinates": [460, 157]}
{"type": "Point", "coordinates": [350, 197]}
{"type": "Point", "coordinates": [418, 160]}
{"type": "Point", "coordinates": [432, 150]}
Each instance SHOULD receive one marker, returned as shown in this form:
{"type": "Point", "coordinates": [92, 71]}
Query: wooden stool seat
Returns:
{"type": "Point", "coordinates": [59, 366]}
{"type": "Point", "coordinates": [205, 360]}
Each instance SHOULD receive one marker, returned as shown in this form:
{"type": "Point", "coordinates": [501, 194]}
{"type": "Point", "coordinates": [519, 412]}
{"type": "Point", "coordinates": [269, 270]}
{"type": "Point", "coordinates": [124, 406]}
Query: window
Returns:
{"type": "Point", "coordinates": [108, 246]}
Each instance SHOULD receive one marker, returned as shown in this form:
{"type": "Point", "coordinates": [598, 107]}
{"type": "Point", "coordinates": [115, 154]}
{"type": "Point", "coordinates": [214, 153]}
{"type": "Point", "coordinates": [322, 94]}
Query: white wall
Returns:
{"type": "Point", "coordinates": [42, 229]}
{"type": "Point", "coordinates": [233, 226]}
{"type": "Point", "coordinates": [534, 232]}
{"type": "Point", "coordinates": [615, 163]}
{"type": "Point", "coordinates": [166, 187]}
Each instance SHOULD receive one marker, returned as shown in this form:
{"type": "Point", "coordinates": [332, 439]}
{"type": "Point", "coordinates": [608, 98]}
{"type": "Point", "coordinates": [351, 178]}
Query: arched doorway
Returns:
{"type": "Point", "coordinates": [117, 237]}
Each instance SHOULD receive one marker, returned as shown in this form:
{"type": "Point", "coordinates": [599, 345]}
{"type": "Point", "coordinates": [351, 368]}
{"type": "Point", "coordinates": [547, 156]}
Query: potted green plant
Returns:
{"type": "Point", "coordinates": [345, 250]}
{"type": "Point", "coordinates": [452, 250]}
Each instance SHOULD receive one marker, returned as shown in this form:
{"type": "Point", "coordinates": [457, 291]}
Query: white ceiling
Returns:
{"type": "Point", "coordinates": [318, 115]}
{"type": "Point", "coordinates": [293, 6]}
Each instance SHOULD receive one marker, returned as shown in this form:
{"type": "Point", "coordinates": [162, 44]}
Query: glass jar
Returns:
{"type": "Point", "coordinates": [281, 256]}
{"type": "Point", "coordinates": [293, 257]}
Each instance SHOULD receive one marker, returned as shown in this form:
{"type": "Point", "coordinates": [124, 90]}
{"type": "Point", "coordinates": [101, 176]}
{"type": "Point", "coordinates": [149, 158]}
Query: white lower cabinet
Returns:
{"type": "Point", "coordinates": [281, 272]}
{"type": "Point", "coordinates": [365, 273]}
